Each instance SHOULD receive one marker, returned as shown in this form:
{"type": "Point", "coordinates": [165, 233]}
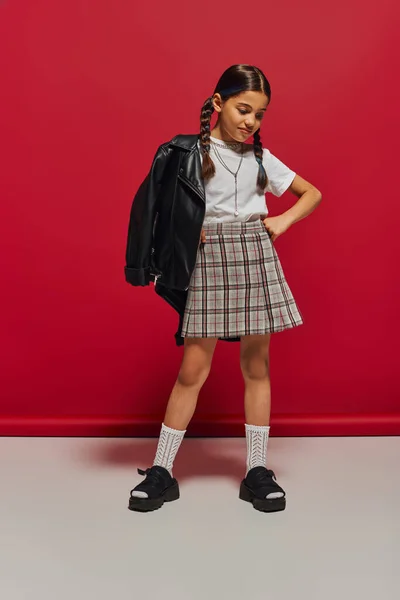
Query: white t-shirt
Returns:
{"type": "Point", "coordinates": [251, 204]}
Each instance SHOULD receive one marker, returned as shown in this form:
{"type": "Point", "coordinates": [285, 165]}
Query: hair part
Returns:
{"type": "Point", "coordinates": [235, 80]}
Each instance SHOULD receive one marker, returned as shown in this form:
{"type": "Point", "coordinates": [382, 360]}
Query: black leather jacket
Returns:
{"type": "Point", "coordinates": [165, 224]}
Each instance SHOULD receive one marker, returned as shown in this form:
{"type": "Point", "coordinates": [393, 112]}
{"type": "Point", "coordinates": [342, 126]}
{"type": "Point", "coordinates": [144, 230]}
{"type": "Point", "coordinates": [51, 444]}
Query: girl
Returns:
{"type": "Point", "coordinates": [237, 290]}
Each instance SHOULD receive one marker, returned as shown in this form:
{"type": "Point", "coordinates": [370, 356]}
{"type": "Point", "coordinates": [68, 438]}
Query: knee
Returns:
{"type": "Point", "coordinates": [256, 368]}
{"type": "Point", "coordinates": [193, 375]}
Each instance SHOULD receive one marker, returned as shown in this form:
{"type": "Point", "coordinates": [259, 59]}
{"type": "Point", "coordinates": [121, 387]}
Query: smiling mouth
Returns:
{"type": "Point", "coordinates": [245, 130]}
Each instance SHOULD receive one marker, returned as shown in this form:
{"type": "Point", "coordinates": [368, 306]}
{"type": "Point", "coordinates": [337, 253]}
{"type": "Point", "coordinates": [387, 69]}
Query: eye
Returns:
{"type": "Point", "coordinates": [242, 111]}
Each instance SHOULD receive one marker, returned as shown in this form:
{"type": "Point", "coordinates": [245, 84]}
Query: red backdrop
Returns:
{"type": "Point", "coordinates": [89, 89]}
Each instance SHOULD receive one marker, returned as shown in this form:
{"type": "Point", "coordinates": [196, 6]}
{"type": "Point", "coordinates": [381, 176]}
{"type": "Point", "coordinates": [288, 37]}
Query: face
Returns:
{"type": "Point", "coordinates": [240, 117]}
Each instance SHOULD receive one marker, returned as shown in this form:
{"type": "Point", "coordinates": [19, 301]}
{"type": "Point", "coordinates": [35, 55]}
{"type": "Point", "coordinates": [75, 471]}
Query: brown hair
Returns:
{"type": "Point", "coordinates": [234, 81]}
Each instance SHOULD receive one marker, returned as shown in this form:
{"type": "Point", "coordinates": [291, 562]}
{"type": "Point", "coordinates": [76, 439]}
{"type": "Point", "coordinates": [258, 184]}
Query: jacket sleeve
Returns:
{"type": "Point", "coordinates": [141, 224]}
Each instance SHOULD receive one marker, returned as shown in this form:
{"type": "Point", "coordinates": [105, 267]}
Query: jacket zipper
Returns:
{"type": "Point", "coordinates": [189, 184]}
{"type": "Point", "coordinates": [156, 276]}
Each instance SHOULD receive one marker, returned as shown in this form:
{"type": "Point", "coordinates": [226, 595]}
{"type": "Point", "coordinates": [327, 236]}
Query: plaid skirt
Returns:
{"type": "Point", "coordinates": [238, 286]}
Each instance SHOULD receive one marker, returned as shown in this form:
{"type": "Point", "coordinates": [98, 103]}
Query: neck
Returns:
{"type": "Point", "coordinates": [220, 134]}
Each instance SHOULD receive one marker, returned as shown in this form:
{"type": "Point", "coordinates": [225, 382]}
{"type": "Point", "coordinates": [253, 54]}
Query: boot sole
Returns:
{"type": "Point", "coordinates": [150, 504]}
{"type": "Point", "coordinates": [261, 504]}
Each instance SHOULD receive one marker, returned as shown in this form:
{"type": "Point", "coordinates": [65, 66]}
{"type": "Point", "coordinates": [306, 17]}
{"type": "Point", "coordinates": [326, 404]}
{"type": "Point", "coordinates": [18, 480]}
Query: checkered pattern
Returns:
{"type": "Point", "coordinates": [238, 286]}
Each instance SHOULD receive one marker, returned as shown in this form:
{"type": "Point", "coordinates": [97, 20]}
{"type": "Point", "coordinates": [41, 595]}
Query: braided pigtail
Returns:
{"type": "Point", "coordinates": [262, 179]}
{"type": "Point", "coordinates": [205, 119]}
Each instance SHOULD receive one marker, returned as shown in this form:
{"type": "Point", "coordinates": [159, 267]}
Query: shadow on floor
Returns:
{"type": "Point", "coordinates": [196, 457]}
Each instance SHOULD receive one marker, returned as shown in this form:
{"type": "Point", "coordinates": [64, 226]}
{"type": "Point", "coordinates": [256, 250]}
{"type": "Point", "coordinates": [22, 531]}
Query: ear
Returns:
{"type": "Point", "coordinates": [217, 102]}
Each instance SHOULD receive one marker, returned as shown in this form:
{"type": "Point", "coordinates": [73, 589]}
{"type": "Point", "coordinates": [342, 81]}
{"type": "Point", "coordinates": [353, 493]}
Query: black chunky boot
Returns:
{"type": "Point", "coordinates": [159, 486]}
{"type": "Point", "coordinates": [258, 483]}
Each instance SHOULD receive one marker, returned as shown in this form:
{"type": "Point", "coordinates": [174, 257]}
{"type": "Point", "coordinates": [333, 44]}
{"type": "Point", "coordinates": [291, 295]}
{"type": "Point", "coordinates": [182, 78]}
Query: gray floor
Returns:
{"type": "Point", "coordinates": [66, 531]}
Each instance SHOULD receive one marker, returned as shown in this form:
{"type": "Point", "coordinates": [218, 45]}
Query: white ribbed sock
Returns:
{"type": "Point", "coordinates": [257, 441]}
{"type": "Point", "coordinates": [168, 445]}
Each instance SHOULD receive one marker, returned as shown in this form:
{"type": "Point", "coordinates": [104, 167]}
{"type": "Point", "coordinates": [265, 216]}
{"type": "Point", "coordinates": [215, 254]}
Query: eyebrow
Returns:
{"type": "Point", "coordinates": [244, 104]}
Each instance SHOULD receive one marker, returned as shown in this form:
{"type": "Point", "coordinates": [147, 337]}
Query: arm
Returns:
{"type": "Point", "coordinates": [309, 198]}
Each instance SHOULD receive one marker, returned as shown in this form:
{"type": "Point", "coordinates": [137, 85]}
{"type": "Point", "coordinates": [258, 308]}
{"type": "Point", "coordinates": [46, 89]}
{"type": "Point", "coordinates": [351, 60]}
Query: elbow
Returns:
{"type": "Point", "coordinates": [317, 195]}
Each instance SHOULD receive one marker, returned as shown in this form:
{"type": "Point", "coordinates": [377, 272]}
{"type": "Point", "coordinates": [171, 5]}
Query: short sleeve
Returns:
{"type": "Point", "coordinates": [279, 175]}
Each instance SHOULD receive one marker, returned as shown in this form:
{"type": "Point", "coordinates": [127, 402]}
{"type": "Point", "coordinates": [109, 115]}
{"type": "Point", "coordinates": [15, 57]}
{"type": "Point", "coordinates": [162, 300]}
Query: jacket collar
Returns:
{"type": "Point", "coordinates": [187, 142]}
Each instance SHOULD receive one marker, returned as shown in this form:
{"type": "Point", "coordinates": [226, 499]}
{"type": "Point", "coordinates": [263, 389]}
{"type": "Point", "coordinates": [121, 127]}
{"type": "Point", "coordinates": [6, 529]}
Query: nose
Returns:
{"type": "Point", "coordinates": [249, 122]}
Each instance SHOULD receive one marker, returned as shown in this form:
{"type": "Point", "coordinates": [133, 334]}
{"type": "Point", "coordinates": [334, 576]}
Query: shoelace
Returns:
{"type": "Point", "coordinates": [143, 472]}
{"type": "Point", "coordinates": [262, 476]}
{"type": "Point", "coordinates": [154, 475]}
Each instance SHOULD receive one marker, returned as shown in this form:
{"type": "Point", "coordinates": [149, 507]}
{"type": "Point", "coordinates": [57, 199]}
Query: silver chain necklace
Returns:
{"type": "Point", "coordinates": [227, 144]}
{"type": "Point", "coordinates": [217, 154]}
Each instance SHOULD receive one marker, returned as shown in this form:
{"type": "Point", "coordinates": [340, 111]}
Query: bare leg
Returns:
{"type": "Point", "coordinates": [194, 370]}
{"type": "Point", "coordinates": [254, 362]}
